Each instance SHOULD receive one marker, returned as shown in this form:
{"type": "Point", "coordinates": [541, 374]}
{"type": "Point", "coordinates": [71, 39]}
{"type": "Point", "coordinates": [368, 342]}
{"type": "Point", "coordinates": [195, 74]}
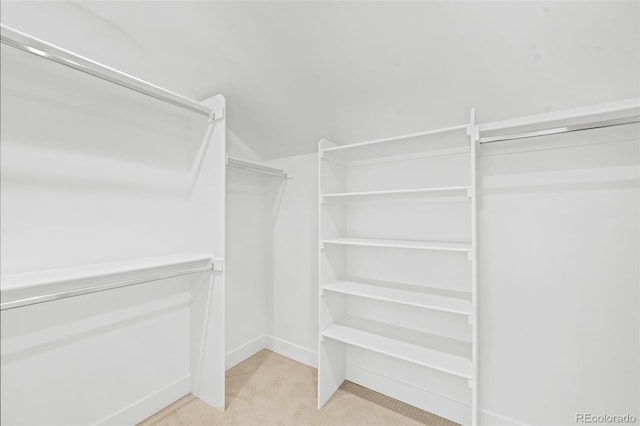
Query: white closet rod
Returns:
{"type": "Point", "coordinates": [40, 48]}
{"type": "Point", "coordinates": [256, 167]}
{"type": "Point", "coordinates": [563, 129]}
{"type": "Point", "coordinates": [103, 287]}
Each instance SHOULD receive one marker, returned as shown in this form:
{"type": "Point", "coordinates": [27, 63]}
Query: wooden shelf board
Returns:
{"type": "Point", "coordinates": [405, 297]}
{"type": "Point", "coordinates": [397, 192]}
{"type": "Point", "coordinates": [44, 284]}
{"type": "Point", "coordinates": [437, 360]}
{"type": "Point", "coordinates": [408, 244]}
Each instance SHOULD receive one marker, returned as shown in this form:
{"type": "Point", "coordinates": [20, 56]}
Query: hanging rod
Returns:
{"type": "Point", "coordinates": [256, 167]}
{"type": "Point", "coordinates": [104, 277]}
{"type": "Point", "coordinates": [563, 129]}
{"type": "Point", "coordinates": [42, 49]}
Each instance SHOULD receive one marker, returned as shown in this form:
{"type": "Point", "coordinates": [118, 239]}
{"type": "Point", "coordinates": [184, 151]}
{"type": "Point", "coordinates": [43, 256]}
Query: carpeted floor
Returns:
{"type": "Point", "coordinates": [269, 389]}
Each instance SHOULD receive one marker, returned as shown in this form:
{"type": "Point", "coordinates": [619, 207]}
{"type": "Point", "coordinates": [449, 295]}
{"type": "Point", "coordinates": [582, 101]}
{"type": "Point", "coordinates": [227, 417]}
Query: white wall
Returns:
{"type": "Point", "coordinates": [94, 173]}
{"type": "Point", "coordinates": [271, 259]}
{"type": "Point", "coordinates": [403, 66]}
{"type": "Point", "coordinates": [247, 257]}
{"type": "Point", "coordinates": [293, 307]}
{"type": "Point", "coordinates": [559, 272]}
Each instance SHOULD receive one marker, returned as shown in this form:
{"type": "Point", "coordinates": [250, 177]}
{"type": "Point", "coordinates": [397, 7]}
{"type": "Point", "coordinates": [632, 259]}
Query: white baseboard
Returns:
{"type": "Point", "coordinates": [310, 358]}
{"type": "Point", "coordinates": [158, 400]}
{"type": "Point", "coordinates": [293, 351]}
{"type": "Point", "coordinates": [490, 418]}
{"type": "Point", "coordinates": [149, 405]}
{"type": "Point", "coordinates": [275, 344]}
{"type": "Point", "coordinates": [448, 408]}
{"type": "Point", "coordinates": [243, 352]}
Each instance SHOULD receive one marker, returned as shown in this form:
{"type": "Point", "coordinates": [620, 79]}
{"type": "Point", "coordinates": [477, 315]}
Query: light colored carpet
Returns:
{"type": "Point", "coordinates": [269, 389]}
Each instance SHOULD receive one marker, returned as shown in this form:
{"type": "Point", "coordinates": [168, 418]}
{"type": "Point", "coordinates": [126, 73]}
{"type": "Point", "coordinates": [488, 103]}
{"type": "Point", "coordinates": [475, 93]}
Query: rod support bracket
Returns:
{"type": "Point", "coordinates": [217, 265]}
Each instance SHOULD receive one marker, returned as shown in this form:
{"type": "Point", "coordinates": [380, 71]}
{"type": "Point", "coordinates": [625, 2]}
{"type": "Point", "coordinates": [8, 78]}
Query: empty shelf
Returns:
{"type": "Point", "coordinates": [255, 167]}
{"type": "Point", "coordinates": [443, 141]}
{"type": "Point", "coordinates": [409, 244]}
{"type": "Point", "coordinates": [405, 297]}
{"type": "Point", "coordinates": [462, 190]}
{"type": "Point", "coordinates": [41, 286]}
{"type": "Point", "coordinates": [437, 360]}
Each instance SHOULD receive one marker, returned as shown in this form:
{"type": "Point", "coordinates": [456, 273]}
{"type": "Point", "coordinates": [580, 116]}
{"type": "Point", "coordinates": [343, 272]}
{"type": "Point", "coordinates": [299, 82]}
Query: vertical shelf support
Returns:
{"type": "Point", "coordinates": [473, 132]}
{"type": "Point", "coordinates": [335, 308]}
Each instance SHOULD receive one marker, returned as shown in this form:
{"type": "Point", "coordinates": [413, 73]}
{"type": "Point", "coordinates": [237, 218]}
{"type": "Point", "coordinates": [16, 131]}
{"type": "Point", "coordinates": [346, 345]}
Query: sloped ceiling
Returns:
{"type": "Point", "coordinates": [294, 72]}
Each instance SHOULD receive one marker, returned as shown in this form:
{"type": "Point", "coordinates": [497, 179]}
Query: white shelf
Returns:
{"type": "Point", "coordinates": [437, 360]}
{"type": "Point", "coordinates": [453, 190]}
{"type": "Point", "coordinates": [41, 286]}
{"type": "Point", "coordinates": [256, 167]}
{"type": "Point", "coordinates": [415, 176]}
{"type": "Point", "coordinates": [405, 297]}
{"type": "Point", "coordinates": [406, 244]}
{"type": "Point", "coordinates": [445, 140]}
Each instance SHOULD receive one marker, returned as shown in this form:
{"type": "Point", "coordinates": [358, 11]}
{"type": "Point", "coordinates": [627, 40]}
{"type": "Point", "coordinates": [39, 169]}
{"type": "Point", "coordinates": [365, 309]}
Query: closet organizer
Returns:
{"type": "Point", "coordinates": [112, 240]}
{"type": "Point", "coordinates": [398, 280]}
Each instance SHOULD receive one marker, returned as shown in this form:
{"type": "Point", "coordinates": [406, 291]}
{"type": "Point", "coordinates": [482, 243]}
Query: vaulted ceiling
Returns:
{"type": "Point", "coordinates": [293, 72]}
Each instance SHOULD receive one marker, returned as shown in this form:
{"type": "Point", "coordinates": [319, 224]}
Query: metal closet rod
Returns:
{"type": "Point", "coordinates": [256, 167]}
{"type": "Point", "coordinates": [564, 129]}
{"type": "Point", "coordinates": [101, 287]}
{"type": "Point", "coordinates": [19, 40]}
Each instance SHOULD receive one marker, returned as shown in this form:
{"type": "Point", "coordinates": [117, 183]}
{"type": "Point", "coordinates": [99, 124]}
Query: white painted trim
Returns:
{"type": "Point", "coordinates": [309, 357]}
{"type": "Point", "coordinates": [274, 344]}
{"type": "Point", "coordinates": [403, 157]}
{"type": "Point", "coordinates": [149, 405]}
{"type": "Point", "coordinates": [456, 411]}
{"type": "Point", "coordinates": [490, 418]}
{"type": "Point", "coordinates": [293, 351]}
{"type": "Point", "coordinates": [395, 138]}
{"type": "Point", "coordinates": [242, 352]}
{"type": "Point", "coordinates": [621, 106]}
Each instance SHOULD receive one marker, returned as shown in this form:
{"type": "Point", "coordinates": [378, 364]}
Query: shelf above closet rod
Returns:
{"type": "Point", "coordinates": [257, 167]}
{"type": "Point", "coordinates": [31, 288]}
{"type": "Point", "coordinates": [562, 129]}
{"type": "Point", "coordinates": [42, 49]}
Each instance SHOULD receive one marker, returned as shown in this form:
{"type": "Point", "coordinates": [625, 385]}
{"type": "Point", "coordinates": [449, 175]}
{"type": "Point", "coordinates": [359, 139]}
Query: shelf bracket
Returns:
{"type": "Point", "coordinates": [469, 192]}
{"type": "Point", "coordinates": [470, 320]}
{"type": "Point", "coordinates": [470, 383]}
{"type": "Point", "coordinates": [470, 256]}
{"type": "Point", "coordinates": [217, 265]}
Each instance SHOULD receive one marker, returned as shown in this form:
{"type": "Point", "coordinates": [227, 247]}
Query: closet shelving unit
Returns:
{"type": "Point", "coordinates": [398, 269]}
{"type": "Point", "coordinates": [30, 288]}
{"type": "Point", "coordinates": [207, 205]}
{"type": "Point", "coordinates": [257, 167]}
